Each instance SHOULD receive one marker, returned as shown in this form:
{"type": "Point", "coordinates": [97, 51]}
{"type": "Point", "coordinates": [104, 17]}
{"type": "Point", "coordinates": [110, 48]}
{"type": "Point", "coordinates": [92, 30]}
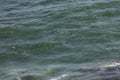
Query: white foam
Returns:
{"type": "Point", "coordinates": [112, 65]}
{"type": "Point", "coordinates": [62, 76]}
{"type": "Point", "coordinates": [18, 78]}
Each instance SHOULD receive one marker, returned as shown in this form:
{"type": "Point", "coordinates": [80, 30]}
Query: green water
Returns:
{"type": "Point", "coordinates": [51, 37]}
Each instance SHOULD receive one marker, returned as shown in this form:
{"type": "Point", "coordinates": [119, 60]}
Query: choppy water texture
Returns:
{"type": "Point", "coordinates": [59, 39]}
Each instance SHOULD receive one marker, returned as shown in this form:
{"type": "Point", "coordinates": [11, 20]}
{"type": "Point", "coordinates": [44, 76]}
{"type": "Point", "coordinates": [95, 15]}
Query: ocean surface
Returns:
{"type": "Point", "coordinates": [58, 39]}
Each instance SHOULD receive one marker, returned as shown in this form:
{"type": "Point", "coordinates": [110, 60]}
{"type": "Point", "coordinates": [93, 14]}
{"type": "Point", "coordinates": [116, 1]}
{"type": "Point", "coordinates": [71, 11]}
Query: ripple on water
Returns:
{"type": "Point", "coordinates": [35, 34]}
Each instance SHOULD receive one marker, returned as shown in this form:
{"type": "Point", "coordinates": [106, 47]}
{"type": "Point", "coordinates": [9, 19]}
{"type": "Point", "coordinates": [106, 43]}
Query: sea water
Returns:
{"type": "Point", "coordinates": [50, 39]}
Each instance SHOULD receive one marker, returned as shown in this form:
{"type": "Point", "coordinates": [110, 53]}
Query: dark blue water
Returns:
{"type": "Point", "coordinates": [50, 38]}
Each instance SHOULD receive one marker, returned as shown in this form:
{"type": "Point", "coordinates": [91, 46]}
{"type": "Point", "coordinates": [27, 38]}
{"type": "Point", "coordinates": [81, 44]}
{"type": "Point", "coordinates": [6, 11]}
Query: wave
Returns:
{"type": "Point", "coordinates": [104, 72]}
